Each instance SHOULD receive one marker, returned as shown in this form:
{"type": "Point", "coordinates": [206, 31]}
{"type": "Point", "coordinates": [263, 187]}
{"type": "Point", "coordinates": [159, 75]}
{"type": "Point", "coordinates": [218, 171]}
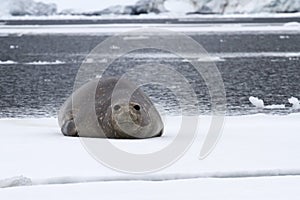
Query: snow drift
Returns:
{"type": "Point", "coordinates": [31, 7]}
{"type": "Point", "coordinates": [245, 6]}
{"type": "Point", "coordinates": [206, 7]}
{"type": "Point", "coordinates": [26, 7]}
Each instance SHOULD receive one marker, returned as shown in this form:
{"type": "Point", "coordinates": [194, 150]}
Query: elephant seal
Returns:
{"type": "Point", "coordinates": [110, 107]}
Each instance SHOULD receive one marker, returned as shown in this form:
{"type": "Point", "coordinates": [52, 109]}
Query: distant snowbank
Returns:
{"type": "Point", "coordinates": [146, 7]}
{"type": "Point", "coordinates": [26, 7]}
{"type": "Point", "coordinates": [246, 6]}
{"type": "Point", "coordinates": [201, 7]}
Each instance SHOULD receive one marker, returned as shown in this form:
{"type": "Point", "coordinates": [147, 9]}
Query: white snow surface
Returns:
{"type": "Point", "coordinates": [256, 157]}
{"type": "Point", "coordinates": [87, 5]}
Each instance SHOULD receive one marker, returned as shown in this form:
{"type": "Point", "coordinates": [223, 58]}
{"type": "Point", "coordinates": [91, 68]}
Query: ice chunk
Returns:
{"type": "Point", "coordinates": [295, 102]}
{"type": "Point", "coordinates": [7, 62]}
{"type": "Point", "coordinates": [57, 62]}
{"type": "Point", "coordinates": [274, 106]}
{"type": "Point", "coordinates": [292, 24]}
{"type": "Point", "coordinates": [257, 102]}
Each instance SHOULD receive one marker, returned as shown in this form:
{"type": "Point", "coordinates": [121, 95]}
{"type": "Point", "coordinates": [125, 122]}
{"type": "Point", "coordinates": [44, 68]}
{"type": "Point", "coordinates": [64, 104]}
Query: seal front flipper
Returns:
{"type": "Point", "coordinates": [69, 128]}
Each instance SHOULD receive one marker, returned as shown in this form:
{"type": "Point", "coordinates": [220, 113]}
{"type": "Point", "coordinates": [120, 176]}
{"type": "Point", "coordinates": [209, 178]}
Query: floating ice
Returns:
{"type": "Point", "coordinates": [13, 46]}
{"type": "Point", "coordinates": [57, 62]}
{"type": "Point", "coordinates": [7, 62]}
{"type": "Point", "coordinates": [280, 106]}
{"type": "Point", "coordinates": [211, 59]}
{"type": "Point", "coordinates": [257, 102]}
{"type": "Point", "coordinates": [295, 102]}
{"type": "Point", "coordinates": [292, 24]}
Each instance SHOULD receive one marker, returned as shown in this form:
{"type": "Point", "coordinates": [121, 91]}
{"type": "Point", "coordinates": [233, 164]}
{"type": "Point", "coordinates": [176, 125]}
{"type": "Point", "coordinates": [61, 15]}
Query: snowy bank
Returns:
{"type": "Point", "coordinates": [264, 148]}
{"type": "Point", "coordinates": [173, 7]}
{"type": "Point", "coordinates": [203, 7]}
{"type": "Point", "coordinates": [249, 145]}
{"type": "Point", "coordinates": [26, 7]}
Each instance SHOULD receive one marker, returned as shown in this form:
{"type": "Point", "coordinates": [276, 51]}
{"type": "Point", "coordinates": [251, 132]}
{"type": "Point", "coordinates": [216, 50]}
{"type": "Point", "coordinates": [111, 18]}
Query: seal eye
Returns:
{"type": "Point", "coordinates": [117, 107]}
{"type": "Point", "coordinates": [137, 107]}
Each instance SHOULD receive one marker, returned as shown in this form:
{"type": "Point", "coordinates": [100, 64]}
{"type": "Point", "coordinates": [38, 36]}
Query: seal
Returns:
{"type": "Point", "coordinates": [110, 107]}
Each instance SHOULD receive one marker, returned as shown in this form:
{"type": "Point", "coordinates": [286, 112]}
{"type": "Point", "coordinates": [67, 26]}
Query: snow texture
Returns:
{"type": "Point", "coordinates": [15, 181]}
{"type": "Point", "coordinates": [256, 157]}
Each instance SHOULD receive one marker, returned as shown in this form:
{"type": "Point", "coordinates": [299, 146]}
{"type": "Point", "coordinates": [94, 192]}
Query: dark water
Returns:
{"type": "Point", "coordinates": [39, 90]}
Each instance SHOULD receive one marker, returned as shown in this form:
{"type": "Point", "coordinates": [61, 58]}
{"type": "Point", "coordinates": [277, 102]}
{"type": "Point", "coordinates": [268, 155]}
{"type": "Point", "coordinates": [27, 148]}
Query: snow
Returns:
{"type": "Point", "coordinates": [295, 102]}
{"type": "Point", "coordinates": [178, 6]}
{"type": "Point", "coordinates": [263, 188]}
{"type": "Point", "coordinates": [235, 6]}
{"type": "Point", "coordinates": [255, 157]}
{"type": "Point", "coordinates": [26, 7]}
{"type": "Point", "coordinates": [88, 5]}
{"type": "Point", "coordinates": [15, 181]}
{"type": "Point", "coordinates": [136, 7]}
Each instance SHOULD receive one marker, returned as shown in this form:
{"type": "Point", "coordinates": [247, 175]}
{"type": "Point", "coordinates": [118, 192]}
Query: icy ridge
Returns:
{"type": "Point", "coordinates": [33, 8]}
{"type": "Point", "coordinates": [24, 181]}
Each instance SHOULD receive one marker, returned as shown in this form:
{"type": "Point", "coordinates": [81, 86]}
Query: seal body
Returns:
{"type": "Point", "coordinates": [110, 108]}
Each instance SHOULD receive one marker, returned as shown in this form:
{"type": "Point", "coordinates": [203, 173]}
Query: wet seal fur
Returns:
{"type": "Point", "coordinates": [92, 112]}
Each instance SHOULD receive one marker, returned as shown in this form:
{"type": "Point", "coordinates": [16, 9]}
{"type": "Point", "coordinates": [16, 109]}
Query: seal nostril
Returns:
{"type": "Point", "coordinates": [117, 107]}
{"type": "Point", "coordinates": [137, 107]}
